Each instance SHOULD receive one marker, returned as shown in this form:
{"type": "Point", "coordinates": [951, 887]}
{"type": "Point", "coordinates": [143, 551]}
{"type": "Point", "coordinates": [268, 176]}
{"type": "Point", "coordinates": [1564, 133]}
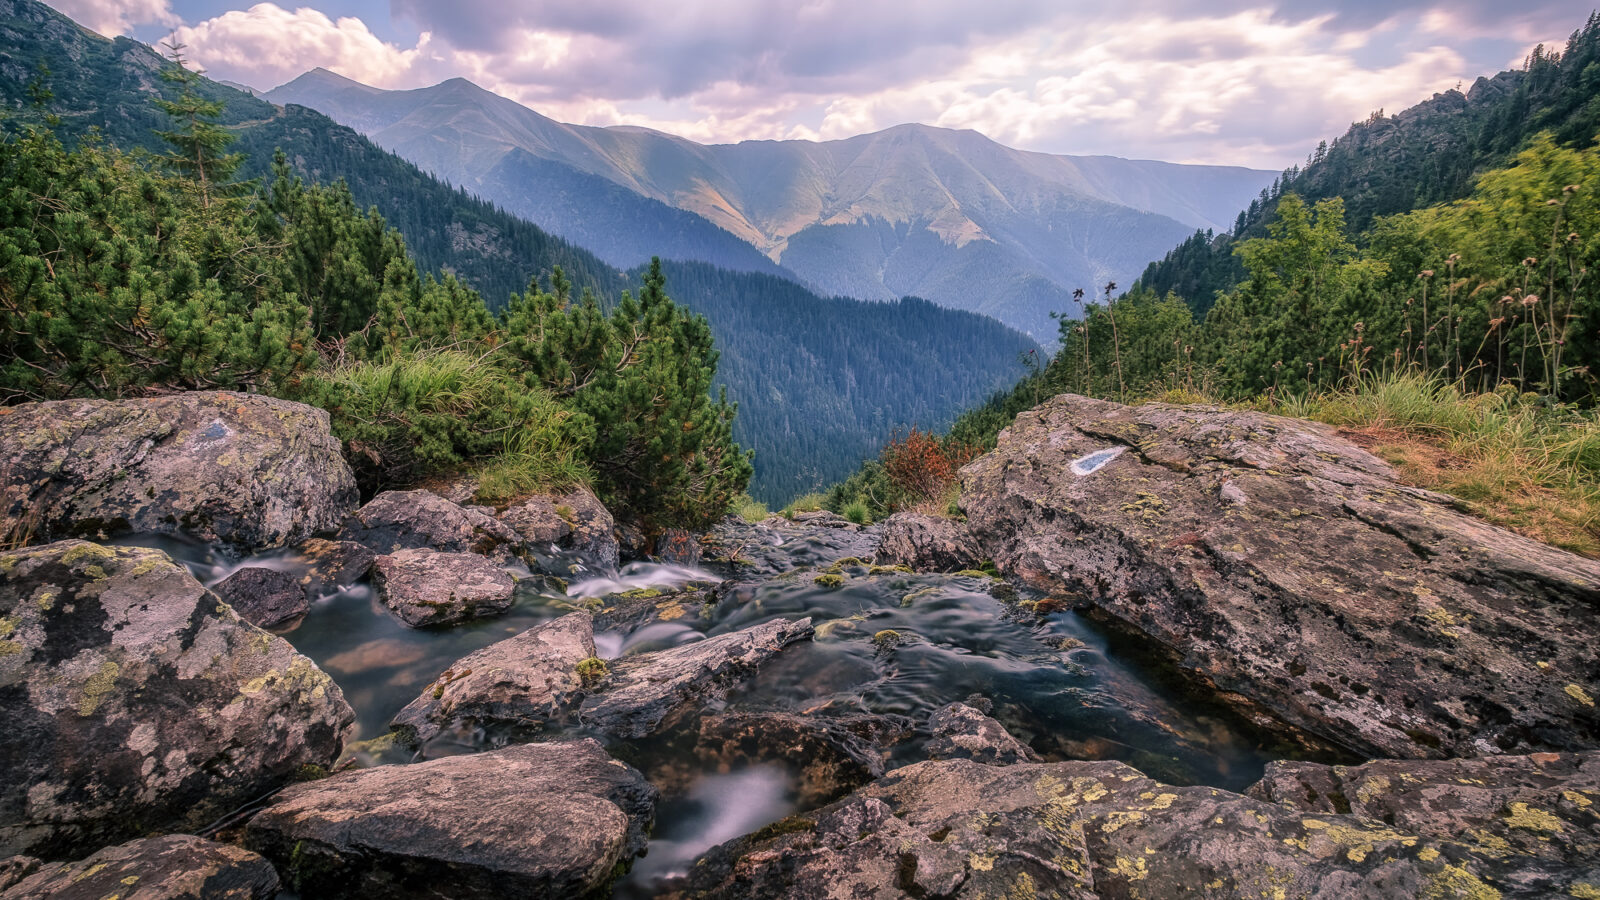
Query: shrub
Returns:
{"type": "Point", "coordinates": [857, 512]}
{"type": "Point", "coordinates": [922, 466]}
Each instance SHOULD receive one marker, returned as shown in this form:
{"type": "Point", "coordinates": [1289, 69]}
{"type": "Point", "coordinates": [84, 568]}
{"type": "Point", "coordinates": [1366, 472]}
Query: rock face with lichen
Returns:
{"type": "Point", "coordinates": [428, 588]}
{"type": "Point", "coordinates": [133, 700]}
{"type": "Point", "coordinates": [1101, 830]}
{"type": "Point", "coordinates": [525, 679]}
{"type": "Point", "coordinates": [927, 543]}
{"type": "Point", "coordinates": [575, 522]}
{"type": "Point", "coordinates": [174, 867]}
{"type": "Point", "coordinates": [408, 520]}
{"type": "Point", "coordinates": [959, 731]}
{"type": "Point", "coordinates": [536, 820]}
{"type": "Point", "coordinates": [243, 470]}
{"type": "Point", "coordinates": [1292, 572]}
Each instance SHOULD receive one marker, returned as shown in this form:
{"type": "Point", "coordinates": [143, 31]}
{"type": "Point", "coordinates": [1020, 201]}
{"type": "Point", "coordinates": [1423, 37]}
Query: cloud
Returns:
{"type": "Point", "coordinates": [114, 17]}
{"type": "Point", "coordinates": [1225, 81]}
{"type": "Point", "coordinates": [267, 45]}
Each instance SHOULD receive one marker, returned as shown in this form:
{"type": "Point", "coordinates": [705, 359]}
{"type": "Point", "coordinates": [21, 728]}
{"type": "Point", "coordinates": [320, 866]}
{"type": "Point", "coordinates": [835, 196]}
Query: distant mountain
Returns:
{"type": "Point", "coordinates": [914, 210]}
{"type": "Point", "coordinates": [820, 382]}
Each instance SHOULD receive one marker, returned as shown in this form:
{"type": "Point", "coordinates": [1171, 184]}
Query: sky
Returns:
{"type": "Point", "coordinates": [1235, 82]}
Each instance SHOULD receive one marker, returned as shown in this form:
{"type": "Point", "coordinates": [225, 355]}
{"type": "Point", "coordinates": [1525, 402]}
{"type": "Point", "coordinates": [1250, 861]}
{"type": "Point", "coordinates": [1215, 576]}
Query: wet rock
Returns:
{"type": "Point", "coordinates": [264, 597]}
{"type": "Point", "coordinates": [16, 868]}
{"type": "Point", "coordinates": [243, 470]}
{"type": "Point", "coordinates": [679, 547]}
{"type": "Point", "coordinates": [428, 588]}
{"type": "Point", "coordinates": [536, 820]}
{"type": "Point", "coordinates": [1102, 830]}
{"type": "Point", "coordinates": [833, 754]}
{"type": "Point", "coordinates": [961, 732]}
{"type": "Point", "coordinates": [1539, 808]}
{"type": "Point", "coordinates": [646, 692]}
{"type": "Point", "coordinates": [575, 522]}
{"type": "Point", "coordinates": [174, 867]}
{"type": "Point", "coordinates": [927, 544]}
{"type": "Point", "coordinates": [332, 565]}
{"type": "Point", "coordinates": [822, 518]}
{"type": "Point", "coordinates": [629, 611]}
{"type": "Point", "coordinates": [410, 520]}
{"type": "Point", "coordinates": [776, 545]}
{"type": "Point", "coordinates": [519, 681]}
{"type": "Point", "coordinates": [1336, 603]}
{"type": "Point", "coordinates": [134, 701]}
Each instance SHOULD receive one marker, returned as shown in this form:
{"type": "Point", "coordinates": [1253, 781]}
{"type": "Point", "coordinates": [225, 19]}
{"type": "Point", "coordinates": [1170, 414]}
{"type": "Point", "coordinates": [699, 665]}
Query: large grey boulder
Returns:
{"type": "Point", "coordinates": [407, 520]}
{"type": "Point", "coordinates": [1292, 572]}
{"type": "Point", "coordinates": [575, 522]}
{"type": "Point", "coordinates": [647, 692]}
{"type": "Point", "coordinates": [428, 588]}
{"type": "Point", "coordinates": [536, 820]}
{"type": "Point", "coordinates": [174, 867]}
{"type": "Point", "coordinates": [243, 470]}
{"type": "Point", "coordinates": [133, 700]}
{"type": "Point", "coordinates": [523, 680]}
{"type": "Point", "coordinates": [1101, 830]}
{"type": "Point", "coordinates": [927, 543]}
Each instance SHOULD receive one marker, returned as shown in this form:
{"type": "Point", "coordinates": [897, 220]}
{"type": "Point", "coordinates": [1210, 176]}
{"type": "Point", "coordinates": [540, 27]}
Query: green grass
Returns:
{"type": "Point", "coordinates": [808, 503]}
{"type": "Point", "coordinates": [750, 509]}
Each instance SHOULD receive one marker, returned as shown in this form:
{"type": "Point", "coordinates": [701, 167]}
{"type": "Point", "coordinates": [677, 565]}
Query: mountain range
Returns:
{"type": "Point", "coordinates": [950, 216]}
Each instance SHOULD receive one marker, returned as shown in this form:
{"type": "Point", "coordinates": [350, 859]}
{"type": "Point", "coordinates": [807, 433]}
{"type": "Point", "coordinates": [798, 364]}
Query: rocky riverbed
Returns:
{"type": "Point", "coordinates": [1205, 625]}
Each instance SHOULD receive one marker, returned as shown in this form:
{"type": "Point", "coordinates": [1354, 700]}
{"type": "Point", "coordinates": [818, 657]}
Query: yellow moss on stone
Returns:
{"type": "Point", "coordinates": [1428, 854]}
{"type": "Point", "coordinates": [1577, 693]}
{"type": "Point", "coordinates": [1530, 818]}
{"type": "Point", "coordinates": [87, 551]}
{"type": "Point", "coordinates": [670, 610]}
{"type": "Point", "coordinates": [97, 687]}
{"type": "Point", "coordinates": [8, 626]}
{"type": "Point", "coordinates": [1584, 891]}
{"type": "Point", "coordinates": [1577, 799]}
{"type": "Point", "coordinates": [10, 648]}
{"type": "Point", "coordinates": [1456, 883]}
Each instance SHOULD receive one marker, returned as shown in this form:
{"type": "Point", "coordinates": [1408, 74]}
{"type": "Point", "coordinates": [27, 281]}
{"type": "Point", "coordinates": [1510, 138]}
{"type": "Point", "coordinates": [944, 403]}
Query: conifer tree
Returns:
{"type": "Point", "coordinates": [199, 143]}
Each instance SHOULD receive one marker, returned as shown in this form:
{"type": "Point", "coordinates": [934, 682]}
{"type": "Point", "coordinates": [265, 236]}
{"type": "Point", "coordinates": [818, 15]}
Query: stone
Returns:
{"type": "Point", "coordinates": [832, 754]}
{"type": "Point", "coordinates": [575, 522]}
{"type": "Point", "coordinates": [961, 732]}
{"type": "Point", "coordinates": [332, 565]}
{"type": "Point", "coordinates": [410, 520]}
{"type": "Point", "coordinates": [521, 681]}
{"type": "Point", "coordinates": [173, 867]}
{"type": "Point", "coordinates": [263, 597]}
{"type": "Point", "coordinates": [927, 544]}
{"type": "Point", "coordinates": [429, 588]}
{"type": "Point", "coordinates": [644, 693]}
{"type": "Point", "coordinates": [822, 518]}
{"type": "Point", "coordinates": [243, 470]}
{"type": "Point", "coordinates": [739, 550]}
{"type": "Point", "coordinates": [14, 869]}
{"type": "Point", "coordinates": [679, 547]}
{"type": "Point", "coordinates": [135, 701]}
{"type": "Point", "coordinates": [1334, 604]}
{"type": "Point", "coordinates": [536, 820]}
{"type": "Point", "coordinates": [1101, 830]}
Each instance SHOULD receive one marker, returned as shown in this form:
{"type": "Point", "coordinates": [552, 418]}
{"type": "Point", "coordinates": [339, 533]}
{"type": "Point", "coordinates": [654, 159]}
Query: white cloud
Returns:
{"type": "Point", "coordinates": [266, 45]}
{"type": "Point", "coordinates": [114, 17]}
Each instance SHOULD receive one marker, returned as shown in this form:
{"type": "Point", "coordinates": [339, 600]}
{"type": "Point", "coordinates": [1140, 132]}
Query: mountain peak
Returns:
{"type": "Point", "coordinates": [322, 78]}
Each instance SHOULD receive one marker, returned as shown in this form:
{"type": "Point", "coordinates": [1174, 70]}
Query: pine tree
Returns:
{"type": "Point", "coordinates": [198, 142]}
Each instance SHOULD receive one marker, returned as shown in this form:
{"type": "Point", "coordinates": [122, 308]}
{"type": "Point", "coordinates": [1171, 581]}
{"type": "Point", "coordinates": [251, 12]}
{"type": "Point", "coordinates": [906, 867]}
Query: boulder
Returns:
{"type": "Point", "coordinates": [264, 597]}
{"type": "Point", "coordinates": [927, 544]}
{"type": "Point", "coordinates": [174, 867]}
{"type": "Point", "coordinates": [243, 470]}
{"type": "Point", "coordinates": [134, 701]}
{"type": "Point", "coordinates": [536, 820]}
{"type": "Point", "coordinates": [679, 547]}
{"type": "Point", "coordinates": [575, 522]}
{"type": "Point", "coordinates": [1088, 830]}
{"type": "Point", "coordinates": [776, 545]}
{"type": "Point", "coordinates": [643, 693]}
{"type": "Point", "coordinates": [331, 565]}
{"type": "Point", "coordinates": [429, 588]}
{"type": "Point", "coordinates": [961, 732]}
{"type": "Point", "coordinates": [1292, 572]}
{"type": "Point", "coordinates": [410, 520]}
{"type": "Point", "coordinates": [832, 754]}
{"type": "Point", "coordinates": [520, 681]}
{"type": "Point", "coordinates": [821, 518]}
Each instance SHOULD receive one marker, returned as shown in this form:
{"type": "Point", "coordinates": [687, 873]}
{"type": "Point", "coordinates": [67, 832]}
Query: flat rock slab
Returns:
{"type": "Point", "coordinates": [134, 701]}
{"type": "Point", "coordinates": [645, 692]}
{"type": "Point", "coordinates": [244, 470]}
{"type": "Point", "coordinates": [264, 597]}
{"type": "Point", "coordinates": [1101, 830]}
{"type": "Point", "coordinates": [428, 588]}
{"type": "Point", "coordinates": [406, 520]}
{"type": "Point", "coordinates": [536, 820]}
{"type": "Point", "coordinates": [174, 867]}
{"type": "Point", "coordinates": [521, 681]}
{"type": "Point", "coordinates": [927, 544]}
{"type": "Point", "coordinates": [1290, 570]}
{"type": "Point", "coordinates": [962, 732]}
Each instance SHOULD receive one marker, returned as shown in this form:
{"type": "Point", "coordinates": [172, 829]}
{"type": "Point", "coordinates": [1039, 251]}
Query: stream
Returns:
{"type": "Point", "coordinates": [889, 644]}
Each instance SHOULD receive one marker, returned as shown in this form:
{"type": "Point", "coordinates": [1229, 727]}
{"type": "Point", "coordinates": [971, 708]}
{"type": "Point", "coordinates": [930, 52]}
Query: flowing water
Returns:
{"type": "Point", "coordinates": [895, 644]}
